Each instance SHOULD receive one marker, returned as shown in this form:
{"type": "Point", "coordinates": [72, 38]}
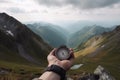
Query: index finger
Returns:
{"type": "Point", "coordinates": [52, 52]}
{"type": "Point", "coordinates": [72, 55]}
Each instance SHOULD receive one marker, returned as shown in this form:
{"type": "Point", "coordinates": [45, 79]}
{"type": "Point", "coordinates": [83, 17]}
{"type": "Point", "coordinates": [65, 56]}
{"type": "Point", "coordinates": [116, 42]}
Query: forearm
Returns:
{"type": "Point", "coordinates": [49, 76]}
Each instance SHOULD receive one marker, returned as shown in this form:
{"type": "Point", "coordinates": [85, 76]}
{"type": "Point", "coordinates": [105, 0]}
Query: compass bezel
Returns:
{"type": "Point", "coordinates": [62, 48]}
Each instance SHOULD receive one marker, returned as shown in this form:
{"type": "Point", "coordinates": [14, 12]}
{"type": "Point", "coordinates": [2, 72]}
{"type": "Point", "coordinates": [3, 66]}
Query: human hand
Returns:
{"type": "Point", "coordinates": [65, 64]}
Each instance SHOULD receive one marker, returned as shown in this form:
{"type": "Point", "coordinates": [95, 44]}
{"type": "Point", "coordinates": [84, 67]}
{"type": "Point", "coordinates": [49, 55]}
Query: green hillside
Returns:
{"type": "Point", "coordinates": [101, 50]}
{"type": "Point", "coordinates": [84, 34]}
{"type": "Point", "coordinates": [52, 34]}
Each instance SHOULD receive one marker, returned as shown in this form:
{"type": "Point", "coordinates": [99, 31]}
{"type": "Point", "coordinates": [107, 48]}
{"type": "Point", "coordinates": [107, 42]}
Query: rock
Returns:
{"type": "Point", "coordinates": [4, 71]}
{"type": "Point", "coordinates": [89, 76]}
{"type": "Point", "coordinates": [103, 74]}
{"type": "Point", "coordinates": [99, 74]}
{"type": "Point", "coordinates": [77, 66]}
{"type": "Point", "coordinates": [69, 78]}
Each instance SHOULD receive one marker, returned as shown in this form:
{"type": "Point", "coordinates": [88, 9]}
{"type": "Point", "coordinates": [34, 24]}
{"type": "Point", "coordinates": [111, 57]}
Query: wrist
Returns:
{"type": "Point", "coordinates": [58, 70]}
{"type": "Point", "coordinates": [66, 66]}
{"type": "Point", "coordinates": [58, 64]}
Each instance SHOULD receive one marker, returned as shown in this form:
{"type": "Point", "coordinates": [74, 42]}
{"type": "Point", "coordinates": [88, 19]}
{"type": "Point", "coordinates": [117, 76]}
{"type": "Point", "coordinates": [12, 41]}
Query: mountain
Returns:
{"type": "Point", "coordinates": [19, 45]}
{"type": "Point", "coordinates": [84, 34]}
{"type": "Point", "coordinates": [75, 26]}
{"type": "Point", "coordinates": [52, 34]}
{"type": "Point", "coordinates": [103, 49]}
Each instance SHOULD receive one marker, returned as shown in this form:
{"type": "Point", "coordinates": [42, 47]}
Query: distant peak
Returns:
{"type": "Point", "coordinates": [9, 24]}
{"type": "Point", "coordinates": [4, 14]}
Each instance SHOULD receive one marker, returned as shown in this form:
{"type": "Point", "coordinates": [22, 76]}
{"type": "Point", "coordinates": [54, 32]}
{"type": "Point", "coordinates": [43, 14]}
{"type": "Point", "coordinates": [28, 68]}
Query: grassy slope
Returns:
{"type": "Point", "coordinates": [108, 56]}
{"type": "Point", "coordinates": [50, 33]}
{"type": "Point", "coordinates": [12, 60]}
{"type": "Point", "coordinates": [85, 34]}
{"type": "Point", "coordinates": [20, 71]}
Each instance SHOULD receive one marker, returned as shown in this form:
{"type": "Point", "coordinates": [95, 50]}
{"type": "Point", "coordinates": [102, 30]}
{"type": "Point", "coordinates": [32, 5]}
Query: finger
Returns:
{"type": "Point", "coordinates": [72, 55]}
{"type": "Point", "coordinates": [52, 52]}
{"type": "Point", "coordinates": [71, 49]}
{"type": "Point", "coordinates": [72, 52]}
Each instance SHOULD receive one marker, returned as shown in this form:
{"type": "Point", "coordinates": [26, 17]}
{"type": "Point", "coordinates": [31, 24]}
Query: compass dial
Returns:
{"type": "Point", "coordinates": [62, 54]}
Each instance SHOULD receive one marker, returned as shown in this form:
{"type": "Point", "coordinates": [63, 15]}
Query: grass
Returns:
{"type": "Point", "coordinates": [20, 67]}
{"type": "Point", "coordinates": [84, 52]}
{"type": "Point", "coordinates": [110, 62]}
{"type": "Point", "coordinates": [20, 71]}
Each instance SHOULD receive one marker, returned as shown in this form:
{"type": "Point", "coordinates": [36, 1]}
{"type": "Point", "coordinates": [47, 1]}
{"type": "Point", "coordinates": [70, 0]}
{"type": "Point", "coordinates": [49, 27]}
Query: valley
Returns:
{"type": "Point", "coordinates": [24, 48]}
{"type": "Point", "coordinates": [52, 34]}
{"type": "Point", "coordinates": [94, 46]}
{"type": "Point", "coordinates": [56, 36]}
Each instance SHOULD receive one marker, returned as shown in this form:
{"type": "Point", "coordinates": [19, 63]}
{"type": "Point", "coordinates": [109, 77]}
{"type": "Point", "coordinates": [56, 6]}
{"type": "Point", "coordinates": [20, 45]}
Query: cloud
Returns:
{"type": "Point", "coordinates": [16, 10]}
{"type": "Point", "coordinates": [4, 1]}
{"type": "Point", "coordinates": [82, 4]}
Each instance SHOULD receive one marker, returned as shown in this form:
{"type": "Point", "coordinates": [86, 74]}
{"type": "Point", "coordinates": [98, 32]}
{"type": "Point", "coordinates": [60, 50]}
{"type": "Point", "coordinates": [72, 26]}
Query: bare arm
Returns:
{"type": "Point", "coordinates": [49, 76]}
{"type": "Point", "coordinates": [52, 60]}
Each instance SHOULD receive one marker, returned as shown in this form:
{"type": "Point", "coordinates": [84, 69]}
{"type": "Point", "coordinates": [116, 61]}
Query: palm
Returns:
{"type": "Point", "coordinates": [66, 64]}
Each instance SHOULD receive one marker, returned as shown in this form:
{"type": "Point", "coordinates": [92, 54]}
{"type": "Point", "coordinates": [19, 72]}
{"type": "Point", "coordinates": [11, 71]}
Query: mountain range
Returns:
{"type": "Point", "coordinates": [75, 26]}
{"type": "Point", "coordinates": [56, 36]}
{"type": "Point", "coordinates": [52, 34]}
{"type": "Point", "coordinates": [84, 34]}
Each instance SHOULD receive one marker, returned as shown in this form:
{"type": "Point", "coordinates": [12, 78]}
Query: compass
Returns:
{"type": "Point", "coordinates": [62, 53]}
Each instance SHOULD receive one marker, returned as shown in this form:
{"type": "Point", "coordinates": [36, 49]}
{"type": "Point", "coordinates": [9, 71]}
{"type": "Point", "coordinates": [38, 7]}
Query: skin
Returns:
{"type": "Point", "coordinates": [52, 60]}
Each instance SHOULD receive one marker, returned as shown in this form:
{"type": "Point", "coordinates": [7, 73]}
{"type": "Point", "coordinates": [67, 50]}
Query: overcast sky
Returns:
{"type": "Point", "coordinates": [55, 11]}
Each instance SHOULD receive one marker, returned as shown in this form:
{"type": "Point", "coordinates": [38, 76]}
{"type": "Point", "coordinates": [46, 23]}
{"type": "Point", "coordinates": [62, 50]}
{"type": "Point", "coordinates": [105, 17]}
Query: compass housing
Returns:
{"type": "Point", "coordinates": [62, 53]}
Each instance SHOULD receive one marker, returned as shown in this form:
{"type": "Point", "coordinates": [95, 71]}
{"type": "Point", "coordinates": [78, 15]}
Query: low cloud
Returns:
{"type": "Point", "coordinates": [4, 1]}
{"type": "Point", "coordinates": [16, 10]}
{"type": "Point", "coordinates": [82, 4]}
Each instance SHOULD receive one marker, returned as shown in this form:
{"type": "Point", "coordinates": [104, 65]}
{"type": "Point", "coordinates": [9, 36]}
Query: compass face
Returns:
{"type": "Point", "coordinates": [63, 54]}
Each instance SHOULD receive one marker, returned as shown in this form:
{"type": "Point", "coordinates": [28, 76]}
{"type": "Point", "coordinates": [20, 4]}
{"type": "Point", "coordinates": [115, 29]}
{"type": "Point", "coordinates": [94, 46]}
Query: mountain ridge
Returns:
{"type": "Point", "coordinates": [85, 33]}
{"type": "Point", "coordinates": [31, 44]}
{"type": "Point", "coordinates": [52, 34]}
